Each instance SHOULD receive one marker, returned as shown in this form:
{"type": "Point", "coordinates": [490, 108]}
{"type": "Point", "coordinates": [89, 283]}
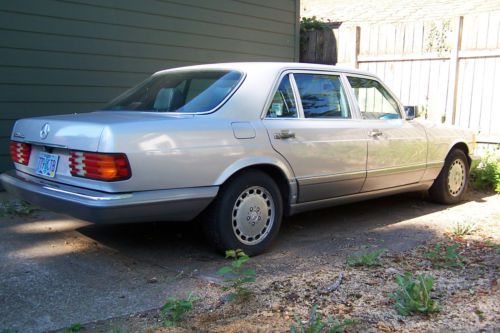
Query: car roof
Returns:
{"type": "Point", "coordinates": [268, 66]}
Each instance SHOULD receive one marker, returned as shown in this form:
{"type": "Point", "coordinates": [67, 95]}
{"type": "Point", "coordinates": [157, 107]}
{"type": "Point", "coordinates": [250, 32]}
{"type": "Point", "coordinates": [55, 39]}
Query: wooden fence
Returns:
{"type": "Point", "coordinates": [450, 69]}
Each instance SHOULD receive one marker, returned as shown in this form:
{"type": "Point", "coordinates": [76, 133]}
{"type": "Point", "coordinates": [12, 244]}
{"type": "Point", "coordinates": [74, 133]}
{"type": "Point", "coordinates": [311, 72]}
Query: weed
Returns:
{"type": "Point", "coordinates": [8, 330]}
{"type": "Point", "coordinates": [485, 173]}
{"type": "Point", "coordinates": [315, 324]}
{"type": "Point", "coordinates": [365, 259]}
{"type": "Point", "coordinates": [174, 309]}
{"type": "Point", "coordinates": [447, 256]}
{"type": "Point", "coordinates": [463, 229]}
{"type": "Point", "coordinates": [75, 328]}
{"type": "Point", "coordinates": [236, 276]}
{"type": "Point", "coordinates": [413, 295]}
{"type": "Point", "coordinates": [21, 209]}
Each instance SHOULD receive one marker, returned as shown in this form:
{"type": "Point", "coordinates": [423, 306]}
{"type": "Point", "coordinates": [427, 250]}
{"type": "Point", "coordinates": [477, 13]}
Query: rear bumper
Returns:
{"type": "Point", "coordinates": [99, 207]}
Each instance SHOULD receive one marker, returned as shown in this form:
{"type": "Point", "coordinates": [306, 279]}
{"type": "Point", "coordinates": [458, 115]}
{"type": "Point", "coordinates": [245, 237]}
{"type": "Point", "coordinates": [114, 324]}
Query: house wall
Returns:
{"type": "Point", "coordinates": [70, 56]}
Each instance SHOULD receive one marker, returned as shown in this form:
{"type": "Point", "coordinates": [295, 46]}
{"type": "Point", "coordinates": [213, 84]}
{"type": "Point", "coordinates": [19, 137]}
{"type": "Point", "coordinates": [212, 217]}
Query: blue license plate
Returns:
{"type": "Point", "coordinates": [47, 164]}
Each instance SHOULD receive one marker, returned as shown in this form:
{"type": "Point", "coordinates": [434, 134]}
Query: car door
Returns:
{"type": "Point", "coordinates": [397, 149]}
{"type": "Point", "coordinates": [311, 123]}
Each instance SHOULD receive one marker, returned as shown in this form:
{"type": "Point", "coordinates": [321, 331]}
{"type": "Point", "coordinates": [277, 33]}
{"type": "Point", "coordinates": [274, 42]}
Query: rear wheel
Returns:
{"type": "Point", "coordinates": [451, 184]}
{"type": "Point", "coordinates": [246, 214]}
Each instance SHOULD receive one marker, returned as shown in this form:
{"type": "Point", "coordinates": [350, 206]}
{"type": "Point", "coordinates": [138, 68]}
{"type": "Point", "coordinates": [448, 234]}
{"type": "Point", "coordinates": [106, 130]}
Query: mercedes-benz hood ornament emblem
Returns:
{"type": "Point", "coordinates": [44, 131]}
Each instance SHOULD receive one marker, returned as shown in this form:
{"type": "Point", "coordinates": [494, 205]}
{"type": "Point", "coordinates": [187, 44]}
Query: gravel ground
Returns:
{"type": "Point", "coordinates": [468, 296]}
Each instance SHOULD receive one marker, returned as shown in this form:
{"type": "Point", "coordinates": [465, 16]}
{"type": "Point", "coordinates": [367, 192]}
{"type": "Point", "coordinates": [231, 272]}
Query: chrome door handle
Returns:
{"type": "Point", "coordinates": [375, 133]}
{"type": "Point", "coordinates": [285, 134]}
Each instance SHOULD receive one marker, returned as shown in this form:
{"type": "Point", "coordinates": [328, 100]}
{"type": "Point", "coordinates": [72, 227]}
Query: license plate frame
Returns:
{"type": "Point", "coordinates": [47, 165]}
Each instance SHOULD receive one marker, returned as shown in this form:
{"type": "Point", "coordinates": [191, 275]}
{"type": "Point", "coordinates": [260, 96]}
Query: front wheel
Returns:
{"type": "Point", "coordinates": [451, 183]}
{"type": "Point", "coordinates": [246, 214]}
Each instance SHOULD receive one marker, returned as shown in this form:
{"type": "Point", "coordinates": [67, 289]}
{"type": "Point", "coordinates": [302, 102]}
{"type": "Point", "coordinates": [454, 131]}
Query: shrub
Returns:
{"type": "Point", "coordinates": [485, 174]}
{"type": "Point", "coordinates": [174, 309]}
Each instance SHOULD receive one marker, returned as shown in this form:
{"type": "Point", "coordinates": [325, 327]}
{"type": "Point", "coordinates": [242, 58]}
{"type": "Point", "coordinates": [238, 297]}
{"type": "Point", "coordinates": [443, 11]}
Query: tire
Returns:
{"type": "Point", "coordinates": [246, 214]}
{"type": "Point", "coordinates": [450, 185]}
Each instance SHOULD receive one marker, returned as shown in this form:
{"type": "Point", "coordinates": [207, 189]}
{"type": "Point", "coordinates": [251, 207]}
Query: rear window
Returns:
{"type": "Point", "coordinates": [189, 91]}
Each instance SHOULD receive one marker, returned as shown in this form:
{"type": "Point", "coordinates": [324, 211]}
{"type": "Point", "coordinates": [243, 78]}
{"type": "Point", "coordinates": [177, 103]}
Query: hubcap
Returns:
{"type": "Point", "coordinates": [253, 215]}
{"type": "Point", "coordinates": [456, 177]}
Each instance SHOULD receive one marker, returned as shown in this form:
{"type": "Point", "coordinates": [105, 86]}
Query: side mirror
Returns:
{"type": "Point", "coordinates": [410, 112]}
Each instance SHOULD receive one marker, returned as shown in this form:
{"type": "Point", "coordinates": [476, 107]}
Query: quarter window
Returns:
{"type": "Point", "coordinates": [374, 100]}
{"type": "Point", "coordinates": [322, 96]}
{"type": "Point", "coordinates": [283, 104]}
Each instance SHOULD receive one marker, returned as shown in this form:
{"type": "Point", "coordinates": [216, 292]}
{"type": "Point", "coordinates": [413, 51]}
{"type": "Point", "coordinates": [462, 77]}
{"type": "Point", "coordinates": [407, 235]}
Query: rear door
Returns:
{"type": "Point", "coordinates": [312, 124]}
{"type": "Point", "coordinates": [397, 148]}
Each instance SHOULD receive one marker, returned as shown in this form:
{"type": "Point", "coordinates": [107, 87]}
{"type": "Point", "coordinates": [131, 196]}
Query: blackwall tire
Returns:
{"type": "Point", "coordinates": [451, 184]}
{"type": "Point", "coordinates": [246, 214]}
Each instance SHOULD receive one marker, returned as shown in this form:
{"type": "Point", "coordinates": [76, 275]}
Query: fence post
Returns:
{"type": "Point", "coordinates": [451, 107]}
{"type": "Point", "coordinates": [357, 40]}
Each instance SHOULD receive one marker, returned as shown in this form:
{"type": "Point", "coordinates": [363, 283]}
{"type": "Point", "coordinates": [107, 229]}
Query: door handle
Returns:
{"type": "Point", "coordinates": [374, 133]}
{"type": "Point", "coordinates": [285, 134]}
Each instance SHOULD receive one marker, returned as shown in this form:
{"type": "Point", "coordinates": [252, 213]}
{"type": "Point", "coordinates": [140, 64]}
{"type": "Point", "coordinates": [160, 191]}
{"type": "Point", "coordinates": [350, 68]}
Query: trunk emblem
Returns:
{"type": "Point", "coordinates": [44, 131]}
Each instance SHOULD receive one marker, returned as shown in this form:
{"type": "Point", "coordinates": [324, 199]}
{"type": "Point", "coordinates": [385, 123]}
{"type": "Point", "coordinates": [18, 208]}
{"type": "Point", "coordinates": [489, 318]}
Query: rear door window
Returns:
{"type": "Point", "coordinates": [322, 96]}
{"type": "Point", "coordinates": [283, 104]}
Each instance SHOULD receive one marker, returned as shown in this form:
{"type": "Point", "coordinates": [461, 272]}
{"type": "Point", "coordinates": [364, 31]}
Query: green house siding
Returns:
{"type": "Point", "coordinates": [73, 56]}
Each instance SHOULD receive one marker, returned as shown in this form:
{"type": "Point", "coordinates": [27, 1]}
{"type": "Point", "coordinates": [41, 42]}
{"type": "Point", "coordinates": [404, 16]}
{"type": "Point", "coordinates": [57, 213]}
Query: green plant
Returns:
{"type": "Point", "coordinates": [312, 24]}
{"type": "Point", "coordinates": [485, 173]}
{"type": "Point", "coordinates": [365, 258]}
{"type": "Point", "coordinates": [413, 295]}
{"type": "Point", "coordinates": [236, 276]}
{"type": "Point", "coordinates": [463, 229]}
{"type": "Point", "coordinates": [445, 256]}
{"type": "Point", "coordinates": [75, 327]}
{"type": "Point", "coordinates": [8, 330]}
{"type": "Point", "coordinates": [315, 324]}
{"type": "Point", "coordinates": [13, 208]}
{"type": "Point", "coordinates": [174, 309]}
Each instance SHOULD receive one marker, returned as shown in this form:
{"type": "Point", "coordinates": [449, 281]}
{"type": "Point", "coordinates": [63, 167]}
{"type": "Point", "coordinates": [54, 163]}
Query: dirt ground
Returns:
{"type": "Point", "coordinates": [283, 295]}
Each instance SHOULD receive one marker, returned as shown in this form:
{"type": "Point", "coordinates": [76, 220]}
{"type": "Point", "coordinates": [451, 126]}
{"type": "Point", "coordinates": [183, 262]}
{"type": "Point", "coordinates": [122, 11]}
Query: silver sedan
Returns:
{"type": "Point", "coordinates": [240, 144]}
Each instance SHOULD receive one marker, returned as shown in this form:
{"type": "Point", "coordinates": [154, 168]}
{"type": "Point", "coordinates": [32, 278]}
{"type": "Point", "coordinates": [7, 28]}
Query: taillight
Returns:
{"type": "Point", "coordinates": [99, 166]}
{"type": "Point", "coordinates": [20, 152]}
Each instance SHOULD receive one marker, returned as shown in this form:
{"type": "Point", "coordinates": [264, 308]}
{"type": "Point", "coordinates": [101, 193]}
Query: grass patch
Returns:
{"type": "Point", "coordinates": [17, 208]}
{"type": "Point", "coordinates": [75, 328]}
{"type": "Point", "coordinates": [413, 295]}
{"type": "Point", "coordinates": [316, 324]}
{"type": "Point", "coordinates": [174, 309]}
{"type": "Point", "coordinates": [365, 258]}
{"type": "Point", "coordinates": [463, 229]}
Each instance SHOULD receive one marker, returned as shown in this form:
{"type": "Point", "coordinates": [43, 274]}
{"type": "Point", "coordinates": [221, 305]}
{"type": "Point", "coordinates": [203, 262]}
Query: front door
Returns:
{"type": "Point", "coordinates": [311, 124]}
{"type": "Point", "coordinates": [397, 149]}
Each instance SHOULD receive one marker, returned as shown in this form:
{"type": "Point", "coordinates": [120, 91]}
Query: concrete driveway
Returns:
{"type": "Point", "coordinates": [56, 271]}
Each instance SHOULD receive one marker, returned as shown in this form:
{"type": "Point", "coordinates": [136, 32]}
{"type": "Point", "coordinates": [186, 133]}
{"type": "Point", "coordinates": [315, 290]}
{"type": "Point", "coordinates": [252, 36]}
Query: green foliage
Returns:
{"type": "Point", "coordinates": [445, 256]}
{"type": "Point", "coordinates": [312, 24]}
{"type": "Point", "coordinates": [13, 208]}
{"type": "Point", "coordinates": [366, 258]}
{"type": "Point", "coordinates": [174, 309]}
{"type": "Point", "coordinates": [8, 330]}
{"type": "Point", "coordinates": [413, 295]}
{"type": "Point", "coordinates": [315, 324]}
{"type": "Point", "coordinates": [485, 173]}
{"type": "Point", "coordinates": [237, 276]}
{"type": "Point", "coordinates": [463, 229]}
{"type": "Point", "coordinates": [75, 327]}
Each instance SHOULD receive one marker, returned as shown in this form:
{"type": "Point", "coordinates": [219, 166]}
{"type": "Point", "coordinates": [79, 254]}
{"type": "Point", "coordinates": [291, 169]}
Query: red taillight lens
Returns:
{"type": "Point", "coordinates": [20, 152]}
{"type": "Point", "coordinates": [108, 167]}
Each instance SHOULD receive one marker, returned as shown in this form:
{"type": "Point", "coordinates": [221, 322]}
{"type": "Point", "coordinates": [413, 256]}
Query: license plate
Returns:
{"type": "Point", "coordinates": [47, 164]}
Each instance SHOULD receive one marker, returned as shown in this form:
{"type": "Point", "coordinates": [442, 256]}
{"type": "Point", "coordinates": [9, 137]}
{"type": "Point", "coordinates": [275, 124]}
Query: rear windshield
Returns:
{"type": "Point", "coordinates": [189, 91]}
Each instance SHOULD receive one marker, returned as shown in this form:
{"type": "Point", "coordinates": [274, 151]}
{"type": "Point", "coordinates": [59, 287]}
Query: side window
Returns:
{"type": "Point", "coordinates": [283, 104]}
{"type": "Point", "coordinates": [322, 96]}
{"type": "Point", "coordinates": [373, 100]}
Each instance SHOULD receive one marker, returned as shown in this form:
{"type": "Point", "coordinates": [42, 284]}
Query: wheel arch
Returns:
{"type": "Point", "coordinates": [463, 147]}
{"type": "Point", "coordinates": [279, 171]}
